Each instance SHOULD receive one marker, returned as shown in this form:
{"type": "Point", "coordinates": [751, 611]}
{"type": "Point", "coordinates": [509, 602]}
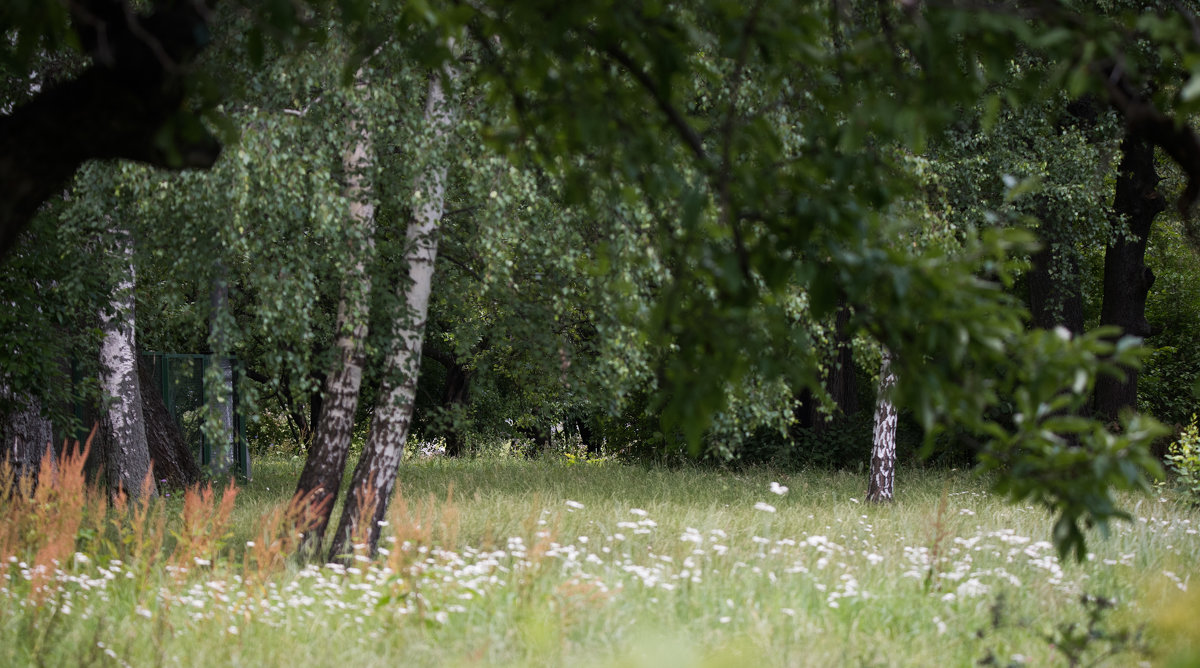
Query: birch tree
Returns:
{"type": "Point", "coordinates": [123, 429]}
{"type": "Point", "coordinates": [322, 475]}
{"type": "Point", "coordinates": [883, 450]}
{"type": "Point", "coordinates": [375, 476]}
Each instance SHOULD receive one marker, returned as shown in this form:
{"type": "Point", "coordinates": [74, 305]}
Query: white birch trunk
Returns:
{"type": "Point", "coordinates": [126, 453]}
{"type": "Point", "coordinates": [883, 452]}
{"type": "Point", "coordinates": [322, 475]}
{"type": "Point", "coordinates": [375, 476]}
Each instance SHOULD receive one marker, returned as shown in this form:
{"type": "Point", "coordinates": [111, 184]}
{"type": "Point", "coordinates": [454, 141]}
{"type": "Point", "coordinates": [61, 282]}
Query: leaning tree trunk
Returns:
{"type": "Point", "coordinates": [883, 452]}
{"type": "Point", "coordinates": [169, 452]}
{"type": "Point", "coordinates": [122, 425]}
{"type": "Point", "coordinates": [375, 476]}
{"type": "Point", "coordinates": [1127, 279]}
{"type": "Point", "coordinates": [26, 436]}
{"type": "Point", "coordinates": [322, 475]}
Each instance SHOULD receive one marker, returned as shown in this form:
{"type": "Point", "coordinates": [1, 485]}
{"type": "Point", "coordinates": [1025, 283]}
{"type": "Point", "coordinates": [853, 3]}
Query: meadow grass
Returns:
{"type": "Point", "coordinates": [509, 562]}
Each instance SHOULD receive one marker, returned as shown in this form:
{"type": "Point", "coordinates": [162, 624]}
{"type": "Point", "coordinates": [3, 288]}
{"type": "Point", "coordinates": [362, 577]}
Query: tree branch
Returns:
{"type": "Point", "coordinates": [725, 176]}
{"type": "Point", "coordinates": [686, 132]}
{"type": "Point", "coordinates": [1177, 139]}
{"type": "Point", "coordinates": [128, 104]}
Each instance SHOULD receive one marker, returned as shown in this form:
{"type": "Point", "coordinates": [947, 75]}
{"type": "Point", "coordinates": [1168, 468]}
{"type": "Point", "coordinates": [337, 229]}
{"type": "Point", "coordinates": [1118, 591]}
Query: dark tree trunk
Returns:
{"type": "Point", "coordinates": [1127, 279]}
{"type": "Point", "coordinates": [1055, 296]}
{"type": "Point", "coordinates": [316, 402]}
{"type": "Point", "coordinates": [807, 412]}
{"type": "Point", "coordinates": [589, 434]}
{"type": "Point", "coordinates": [301, 425]}
{"type": "Point", "coordinates": [842, 383]}
{"type": "Point", "coordinates": [25, 437]}
{"type": "Point", "coordinates": [172, 458]}
{"type": "Point", "coordinates": [454, 396]}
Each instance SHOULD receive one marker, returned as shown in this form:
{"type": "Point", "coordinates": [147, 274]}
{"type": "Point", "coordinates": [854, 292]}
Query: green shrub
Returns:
{"type": "Point", "coordinates": [1184, 458]}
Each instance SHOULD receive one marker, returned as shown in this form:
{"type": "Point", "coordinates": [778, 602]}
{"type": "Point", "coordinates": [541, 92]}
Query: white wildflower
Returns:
{"type": "Point", "coordinates": [765, 507]}
{"type": "Point", "coordinates": [941, 626]}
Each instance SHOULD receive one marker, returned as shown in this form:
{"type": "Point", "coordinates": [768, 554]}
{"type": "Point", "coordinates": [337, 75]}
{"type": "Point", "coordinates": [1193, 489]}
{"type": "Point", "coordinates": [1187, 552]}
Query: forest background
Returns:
{"type": "Point", "coordinates": [710, 228]}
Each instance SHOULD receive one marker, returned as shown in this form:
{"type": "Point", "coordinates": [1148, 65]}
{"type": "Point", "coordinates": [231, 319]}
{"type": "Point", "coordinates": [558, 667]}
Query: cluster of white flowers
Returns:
{"type": "Point", "coordinates": [837, 563]}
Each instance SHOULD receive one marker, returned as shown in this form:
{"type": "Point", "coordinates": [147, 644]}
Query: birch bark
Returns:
{"type": "Point", "coordinates": [322, 474]}
{"type": "Point", "coordinates": [123, 429]}
{"type": "Point", "coordinates": [375, 476]}
{"type": "Point", "coordinates": [883, 451]}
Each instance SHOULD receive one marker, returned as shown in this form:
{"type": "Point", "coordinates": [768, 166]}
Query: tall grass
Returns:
{"type": "Point", "coordinates": [506, 562]}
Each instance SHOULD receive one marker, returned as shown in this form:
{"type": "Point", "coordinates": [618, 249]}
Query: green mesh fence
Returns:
{"type": "Point", "coordinates": [180, 380]}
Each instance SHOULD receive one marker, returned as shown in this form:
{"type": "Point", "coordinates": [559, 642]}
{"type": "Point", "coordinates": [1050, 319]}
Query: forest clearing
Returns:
{"type": "Point", "coordinates": [560, 562]}
{"type": "Point", "coordinates": [526, 332]}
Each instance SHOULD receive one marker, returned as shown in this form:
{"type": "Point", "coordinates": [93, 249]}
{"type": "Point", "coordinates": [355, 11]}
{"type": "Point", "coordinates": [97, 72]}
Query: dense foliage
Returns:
{"type": "Point", "coordinates": [654, 215]}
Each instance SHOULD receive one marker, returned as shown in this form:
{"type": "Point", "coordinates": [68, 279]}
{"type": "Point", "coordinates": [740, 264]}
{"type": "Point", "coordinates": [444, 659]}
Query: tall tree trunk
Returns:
{"type": "Point", "coordinates": [219, 431]}
{"type": "Point", "coordinates": [170, 454]}
{"type": "Point", "coordinates": [454, 396]}
{"type": "Point", "coordinates": [589, 433]}
{"type": "Point", "coordinates": [839, 381]}
{"type": "Point", "coordinates": [375, 476]}
{"type": "Point", "coordinates": [883, 451]}
{"type": "Point", "coordinates": [1055, 298]}
{"type": "Point", "coordinates": [122, 426]}
{"type": "Point", "coordinates": [25, 435]}
{"type": "Point", "coordinates": [842, 384]}
{"type": "Point", "coordinates": [1127, 279]}
{"type": "Point", "coordinates": [322, 475]}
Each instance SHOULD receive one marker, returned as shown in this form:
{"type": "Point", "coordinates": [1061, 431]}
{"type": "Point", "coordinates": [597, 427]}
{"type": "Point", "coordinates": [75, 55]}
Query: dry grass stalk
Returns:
{"type": "Point", "coordinates": [205, 526]}
{"type": "Point", "coordinates": [280, 535]}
